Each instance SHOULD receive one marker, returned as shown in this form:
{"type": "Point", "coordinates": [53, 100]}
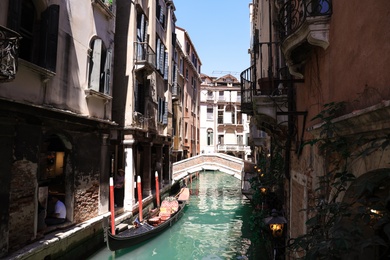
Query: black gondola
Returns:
{"type": "Point", "coordinates": [149, 228]}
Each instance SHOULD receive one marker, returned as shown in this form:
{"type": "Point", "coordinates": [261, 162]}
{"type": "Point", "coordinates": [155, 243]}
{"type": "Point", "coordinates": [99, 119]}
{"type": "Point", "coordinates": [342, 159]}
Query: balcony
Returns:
{"type": "Point", "coordinates": [140, 121]}
{"type": "Point", "coordinates": [106, 6]}
{"type": "Point", "coordinates": [232, 148]}
{"type": "Point", "coordinates": [145, 57]}
{"type": "Point", "coordinates": [265, 85]}
{"type": "Point", "coordinates": [176, 91]}
{"type": "Point", "coordinates": [263, 97]}
{"type": "Point", "coordinates": [302, 25]}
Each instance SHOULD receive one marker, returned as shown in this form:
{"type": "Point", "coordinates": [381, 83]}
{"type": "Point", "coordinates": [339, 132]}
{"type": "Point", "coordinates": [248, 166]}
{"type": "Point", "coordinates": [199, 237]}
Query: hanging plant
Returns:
{"type": "Point", "coordinates": [332, 229]}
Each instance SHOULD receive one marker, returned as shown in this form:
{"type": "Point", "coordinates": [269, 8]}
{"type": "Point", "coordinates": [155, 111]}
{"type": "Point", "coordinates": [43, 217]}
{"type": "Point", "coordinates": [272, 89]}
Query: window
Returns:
{"type": "Point", "coordinates": [221, 139]}
{"type": "Point", "coordinates": [210, 113]}
{"type": "Point", "coordinates": [209, 136]}
{"type": "Point", "coordinates": [319, 7]}
{"type": "Point", "coordinates": [181, 66]}
{"type": "Point", "coordinates": [240, 140]}
{"type": "Point", "coordinates": [162, 111]}
{"type": "Point", "coordinates": [221, 95]}
{"type": "Point", "coordinates": [160, 14]}
{"type": "Point", "coordinates": [229, 116]}
{"type": "Point", "coordinates": [99, 67]}
{"type": "Point", "coordinates": [139, 98]}
{"type": "Point", "coordinates": [239, 118]}
{"type": "Point", "coordinates": [39, 37]}
{"type": "Point", "coordinates": [161, 58]}
{"type": "Point", "coordinates": [220, 114]}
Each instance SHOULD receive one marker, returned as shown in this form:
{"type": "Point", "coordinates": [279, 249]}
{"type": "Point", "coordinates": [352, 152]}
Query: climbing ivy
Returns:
{"type": "Point", "coordinates": [332, 229]}
{"type": "Point", "coordinates": [268, 194]}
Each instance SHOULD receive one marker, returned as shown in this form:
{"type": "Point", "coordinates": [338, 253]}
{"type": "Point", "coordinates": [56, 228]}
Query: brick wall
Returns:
{"type": "Point", "coordinates": [86, 203]}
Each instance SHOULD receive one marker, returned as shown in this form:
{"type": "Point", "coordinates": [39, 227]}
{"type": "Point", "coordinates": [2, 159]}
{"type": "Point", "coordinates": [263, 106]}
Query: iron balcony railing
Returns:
{"type": "Point", "coordinates": [293, 13]}
{"type": "Point", "coordinates": [144, 55]}
{"type": "Point", "coordinates": [9, 53]}
{"type": "Point", "coordinates": [248, 80]}
{"type": "Point", "coordinates": [266, 77]}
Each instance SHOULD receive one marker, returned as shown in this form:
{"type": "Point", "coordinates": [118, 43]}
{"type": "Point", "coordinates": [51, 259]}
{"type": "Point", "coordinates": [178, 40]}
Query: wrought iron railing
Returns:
{"type": "Point", "coordinates": [144, 54]}
{"type": "Point", "coordinates": [176, 90]}
{"type": "Point", "coordinates": [272, 75]}
{"type": "Point", "coordinates": [232, 147]}
{"type": "Point", "coordinates": [293, 13]}
{"type": "Point", "coordinates": [9, 53]}
{"type": "Point", "coordinates": [247, 86]}
{"type": "Point", "coordinates": [140, 121]}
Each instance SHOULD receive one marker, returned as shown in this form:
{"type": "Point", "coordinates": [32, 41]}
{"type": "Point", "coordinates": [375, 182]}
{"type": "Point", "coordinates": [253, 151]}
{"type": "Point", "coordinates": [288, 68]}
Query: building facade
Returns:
{"type": "Point", "coordinates": [143, 100]}
{"type": "Point", "coordinates": [177, 104]}
{"type": "Point", "coordinates": [223, 128]}
{"type": "Point", "coordinates": [317, 78]}
{"type": "Point", "coordinates": [95, 87]}
{"type": "Point", "coordinates": [55, 113]}
{"type": "Point", "coordinates": [191, 64]}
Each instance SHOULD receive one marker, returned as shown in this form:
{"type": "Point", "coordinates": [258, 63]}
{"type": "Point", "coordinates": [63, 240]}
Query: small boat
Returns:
{"type": "Point", "coordinates": [171, 210]}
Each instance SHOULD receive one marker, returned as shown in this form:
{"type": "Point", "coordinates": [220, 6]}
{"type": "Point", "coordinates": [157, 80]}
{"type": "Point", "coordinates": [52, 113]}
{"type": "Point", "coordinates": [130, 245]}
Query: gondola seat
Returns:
{"type": "Point", "coordinates": [168, 207]}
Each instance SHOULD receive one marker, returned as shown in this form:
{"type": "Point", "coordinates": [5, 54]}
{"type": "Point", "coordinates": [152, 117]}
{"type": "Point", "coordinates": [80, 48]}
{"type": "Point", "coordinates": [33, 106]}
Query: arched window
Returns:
{"type": "Point", "coordinates": [99, 67]}
{"type": "Point", "coordinates": [210, 136]}
{"type": "Point", "coordinates": [230, 115]}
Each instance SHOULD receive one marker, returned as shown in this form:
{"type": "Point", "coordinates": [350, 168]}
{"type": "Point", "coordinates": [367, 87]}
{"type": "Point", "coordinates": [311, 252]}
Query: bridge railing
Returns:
{"type": "Point", "coordinates": [215, 162]}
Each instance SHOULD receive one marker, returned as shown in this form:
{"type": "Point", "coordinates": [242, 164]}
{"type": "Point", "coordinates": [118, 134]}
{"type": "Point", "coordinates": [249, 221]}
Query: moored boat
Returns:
{"type": "Point", "coordinates": [170, 211]}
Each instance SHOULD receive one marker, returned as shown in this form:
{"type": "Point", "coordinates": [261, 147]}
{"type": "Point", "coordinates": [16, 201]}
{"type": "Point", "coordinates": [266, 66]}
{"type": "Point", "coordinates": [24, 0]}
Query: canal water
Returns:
{"type": "Point", "coordinates": [214, 226]}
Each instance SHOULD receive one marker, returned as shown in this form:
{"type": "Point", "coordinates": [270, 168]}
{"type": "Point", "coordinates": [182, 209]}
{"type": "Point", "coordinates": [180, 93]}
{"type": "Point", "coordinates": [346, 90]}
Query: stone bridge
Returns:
{"type": "Point", "coordinates": [212, 162]}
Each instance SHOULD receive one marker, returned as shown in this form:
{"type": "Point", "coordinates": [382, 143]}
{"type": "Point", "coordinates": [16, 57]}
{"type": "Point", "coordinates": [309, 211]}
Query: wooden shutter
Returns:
{"type": "Point", "coordinates": [107, 72]}
{"type": "Point", "coordinates": [158, 46]}
{"type": "Point", "coordinates": [162, 57]}
{"type": "Point", "coordinates": [166, 65]}
{"type": "Point", "coordinates": [165, 115]}
{"type": "Point", "coordinates": [49, 37]}
{"type": "Point", "coordinates": [95, 64]}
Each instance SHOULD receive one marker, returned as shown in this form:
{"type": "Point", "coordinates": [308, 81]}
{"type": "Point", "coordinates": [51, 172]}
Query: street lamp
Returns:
{"type": "Point", "coordinates": [275, 223]}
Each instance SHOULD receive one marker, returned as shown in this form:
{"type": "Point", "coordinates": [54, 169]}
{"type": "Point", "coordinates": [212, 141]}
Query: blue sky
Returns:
{"type": "Point", "coordinates": [220, 31]}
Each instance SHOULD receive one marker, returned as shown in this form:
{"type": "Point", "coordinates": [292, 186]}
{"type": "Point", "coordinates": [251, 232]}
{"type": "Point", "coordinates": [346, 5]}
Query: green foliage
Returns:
{"type": "Point", "coordinates": [332, 229]}
{"type": "Point", "coordinates": [271, 177]}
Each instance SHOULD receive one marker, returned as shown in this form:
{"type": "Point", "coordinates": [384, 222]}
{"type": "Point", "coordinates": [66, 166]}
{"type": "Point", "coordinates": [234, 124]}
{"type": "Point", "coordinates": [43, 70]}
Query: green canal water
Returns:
{"type": "Point", "coordinates": [215, 226]}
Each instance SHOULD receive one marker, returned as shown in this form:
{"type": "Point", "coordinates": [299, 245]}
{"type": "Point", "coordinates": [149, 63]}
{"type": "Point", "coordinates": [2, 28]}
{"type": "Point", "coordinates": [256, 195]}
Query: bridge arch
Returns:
{"type": "Point", "coordinates": [211, 161]}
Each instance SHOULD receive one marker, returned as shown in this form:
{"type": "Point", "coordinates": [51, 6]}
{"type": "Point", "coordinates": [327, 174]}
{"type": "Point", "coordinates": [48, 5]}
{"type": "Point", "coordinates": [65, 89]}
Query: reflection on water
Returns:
{"type": "Point", "coordinates": [214, 226]}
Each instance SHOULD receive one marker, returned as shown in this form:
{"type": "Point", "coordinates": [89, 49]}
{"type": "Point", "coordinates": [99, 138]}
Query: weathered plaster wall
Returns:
{"type": "Point", "coordinates": [22, 207]}
{"type": "Point", "coordinates": [86, 176]}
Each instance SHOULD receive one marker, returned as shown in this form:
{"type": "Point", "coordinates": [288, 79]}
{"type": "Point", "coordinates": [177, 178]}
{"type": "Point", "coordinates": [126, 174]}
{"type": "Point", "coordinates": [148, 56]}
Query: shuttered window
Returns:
{"type": "Point", "coordinates": [100, 67]}
{"type": "Point", "coordinates": [39, 37]}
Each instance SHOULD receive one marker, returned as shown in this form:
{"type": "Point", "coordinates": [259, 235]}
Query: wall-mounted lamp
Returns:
{"type": "Point", "coordinates": [276, 223]}
{"type": "Point", "coordinates": [263, 190]}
